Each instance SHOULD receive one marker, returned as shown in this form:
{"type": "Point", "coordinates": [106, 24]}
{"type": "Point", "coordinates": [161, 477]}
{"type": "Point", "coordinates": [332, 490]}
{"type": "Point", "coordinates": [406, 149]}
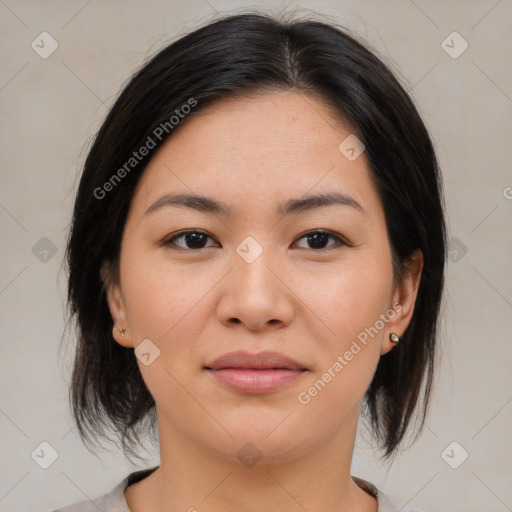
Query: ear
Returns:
{"type": "Point", "coordinates": [116, 305]}
{"type": "Point", "coordinates": [404, 299]}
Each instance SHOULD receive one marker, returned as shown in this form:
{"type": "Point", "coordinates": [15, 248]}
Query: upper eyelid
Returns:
{"type": "Point", "coordinates": [328, 232]}
{"type": "Point", "coordinates": [340, 239]}
{"type": "Point", "coordinates": [168, 239]}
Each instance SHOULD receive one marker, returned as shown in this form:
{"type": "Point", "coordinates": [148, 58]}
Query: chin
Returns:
{"type": "Point", "coordinates": [253, 443]}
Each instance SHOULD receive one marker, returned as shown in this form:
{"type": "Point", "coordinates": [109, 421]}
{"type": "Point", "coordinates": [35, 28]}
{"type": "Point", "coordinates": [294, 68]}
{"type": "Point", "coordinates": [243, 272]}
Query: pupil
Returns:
{"type": "Point", "coordinates": [318, 238]}
{"type": "Point", "coordinates": [194, 239]}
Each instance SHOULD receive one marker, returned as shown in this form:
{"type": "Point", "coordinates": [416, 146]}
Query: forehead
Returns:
{"type": "Point", "coordinates": [252, 150]}
{"type": "Point", "coordinates": [268, 121]}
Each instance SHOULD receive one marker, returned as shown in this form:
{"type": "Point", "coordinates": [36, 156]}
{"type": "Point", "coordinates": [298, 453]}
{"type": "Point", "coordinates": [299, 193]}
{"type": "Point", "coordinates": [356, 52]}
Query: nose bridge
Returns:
{"type": "Point", "coordinates": [253, 294]}
{"type": "Point", "coordinates": [252, 261]}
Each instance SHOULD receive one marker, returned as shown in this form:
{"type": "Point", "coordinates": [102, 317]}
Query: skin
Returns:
{"type": "Point", "coordinates": [305, 301]}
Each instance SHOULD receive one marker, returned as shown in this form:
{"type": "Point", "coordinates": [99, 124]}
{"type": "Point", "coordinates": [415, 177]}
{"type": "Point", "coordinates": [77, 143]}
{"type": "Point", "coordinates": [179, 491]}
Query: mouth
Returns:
{"type": "Point", "coordinates": [247, 373]}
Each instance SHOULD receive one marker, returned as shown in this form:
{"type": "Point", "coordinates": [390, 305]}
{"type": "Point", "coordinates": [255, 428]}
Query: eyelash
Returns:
{"type": "Point", "coordinates": [340, 241]}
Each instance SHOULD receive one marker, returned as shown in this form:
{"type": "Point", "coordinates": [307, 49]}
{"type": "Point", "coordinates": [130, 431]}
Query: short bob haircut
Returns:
{"type": "Point", "coordinates": [242, 55]}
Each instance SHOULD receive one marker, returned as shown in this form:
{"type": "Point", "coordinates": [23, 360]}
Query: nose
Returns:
{"type": "Point", "coordinates": [256, 295]}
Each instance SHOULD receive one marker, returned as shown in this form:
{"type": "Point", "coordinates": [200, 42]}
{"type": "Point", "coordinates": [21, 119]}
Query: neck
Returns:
{"type": "Point", "coordinates": [195, 477]}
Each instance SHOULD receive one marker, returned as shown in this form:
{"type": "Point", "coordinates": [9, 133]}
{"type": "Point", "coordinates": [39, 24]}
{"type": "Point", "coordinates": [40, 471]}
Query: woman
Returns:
{"type": "Point", "coordinates": [257, 254]}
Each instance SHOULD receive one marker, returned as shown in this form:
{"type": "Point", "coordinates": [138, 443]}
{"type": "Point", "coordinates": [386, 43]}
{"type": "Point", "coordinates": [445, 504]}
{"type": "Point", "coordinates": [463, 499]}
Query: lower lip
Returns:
{"type": "Point", "coordinates": [255, 381]}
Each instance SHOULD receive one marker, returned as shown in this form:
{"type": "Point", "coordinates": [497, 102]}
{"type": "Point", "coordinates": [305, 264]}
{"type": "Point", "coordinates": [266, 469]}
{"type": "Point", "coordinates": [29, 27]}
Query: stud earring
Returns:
{"type": "Point", "coordinates": [121, 331]}
{"type": "Point", "coordinates": [394, 337]}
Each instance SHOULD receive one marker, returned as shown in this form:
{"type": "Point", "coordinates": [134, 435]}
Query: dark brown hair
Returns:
{"type": "Point", "coordinates": [242, 55]}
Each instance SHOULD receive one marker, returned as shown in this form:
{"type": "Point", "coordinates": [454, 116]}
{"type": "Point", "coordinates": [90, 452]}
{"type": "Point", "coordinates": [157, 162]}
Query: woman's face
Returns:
{"type": "Point", "coordinates": [256, 278]}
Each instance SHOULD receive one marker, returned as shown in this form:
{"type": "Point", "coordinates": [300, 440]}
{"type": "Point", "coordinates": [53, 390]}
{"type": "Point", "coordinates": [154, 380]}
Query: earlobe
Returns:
{"type": "Point", "coordinates": [394, 337]}
{"type": "Point", "coordinates": [120, 336]}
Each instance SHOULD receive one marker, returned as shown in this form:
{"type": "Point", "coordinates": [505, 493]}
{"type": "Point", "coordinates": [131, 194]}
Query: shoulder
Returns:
{"type": "Point", "coordinates": [112, 501]}
{"type": "Point", "coordinates": [385, 504]}
{"type": "Point", "coordinates": [109, 502]}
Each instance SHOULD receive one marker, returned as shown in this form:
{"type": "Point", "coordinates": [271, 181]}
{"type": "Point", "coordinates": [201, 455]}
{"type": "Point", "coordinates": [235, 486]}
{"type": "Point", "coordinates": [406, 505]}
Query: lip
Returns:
{"type": "Point", "coordinates": [260, 373]}
{"type": "Point", "coordinates": [261, 361]}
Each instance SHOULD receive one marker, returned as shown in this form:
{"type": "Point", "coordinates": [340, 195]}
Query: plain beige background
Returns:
{"type": "Point", "coordinates": [51, 107]}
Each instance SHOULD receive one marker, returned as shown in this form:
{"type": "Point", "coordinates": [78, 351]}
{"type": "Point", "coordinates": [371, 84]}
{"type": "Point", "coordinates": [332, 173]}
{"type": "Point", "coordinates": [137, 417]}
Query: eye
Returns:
{"type": "Point", "coordinates": [319, 238]}
{"type": "Point", "coordinates": [196, 240]}
{"type": "Point", "coordinates": [192, 239]}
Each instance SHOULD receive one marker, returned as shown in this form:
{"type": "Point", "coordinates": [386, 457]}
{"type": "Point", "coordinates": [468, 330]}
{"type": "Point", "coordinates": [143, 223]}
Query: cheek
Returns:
{"type": "Point", "coordinates": [157, 298]}
{"type": "Point", "coordinates": [350, 299]}
{"type": "Point", "coordinates": [349, 350]}
{"type": "Point", "coordinates": [170, 306]}
{"type": "Point", "coordinates": [350, 302]}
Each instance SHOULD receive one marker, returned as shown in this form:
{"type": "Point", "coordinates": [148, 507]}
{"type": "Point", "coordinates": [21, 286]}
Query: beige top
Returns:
{"type": "Point", "coordinates": [114, 500]}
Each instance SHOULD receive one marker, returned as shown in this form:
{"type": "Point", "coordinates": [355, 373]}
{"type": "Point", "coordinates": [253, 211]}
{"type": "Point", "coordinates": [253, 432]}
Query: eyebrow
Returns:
{"type": "Point", "coordinates": [216, 207]}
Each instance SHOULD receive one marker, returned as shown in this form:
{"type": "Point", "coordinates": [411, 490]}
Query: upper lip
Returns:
{"type": "Point", "coordinates": [259, 361]}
